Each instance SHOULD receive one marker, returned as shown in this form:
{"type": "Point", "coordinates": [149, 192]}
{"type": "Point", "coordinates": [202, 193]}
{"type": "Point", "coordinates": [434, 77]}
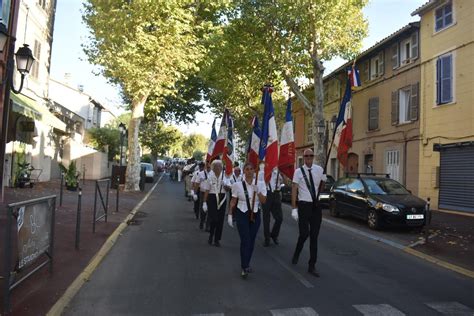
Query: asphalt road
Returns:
{"type": "Point", "coordinates": [162, 265]}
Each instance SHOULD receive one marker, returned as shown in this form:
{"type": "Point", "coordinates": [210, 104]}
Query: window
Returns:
{"type": "Point", "coordinates": [405, 51]}
{"type": "Point", "coordinates": [444, 16]}
{"type": "Point", "coordinates": [444, 79]}
{"type": "Point", "coordinates": [309, 132]}
{"type": "Point", "coordinates": [37, 56]}
{"type": "Point", "coordinates": [392, 164]}
{"type": "Point", "coordinates": [373, 113]}
{"type": "Point", "coordinates": [374, 67]}
{"type": "Point", "coordinates": [405, 104]}
{"type": "Point", "coordinates": [369, 163]}
{"type": "Point", "coordinates": [355, 186]}
{"type": "Point", "coordinates": [300, 161]}
{"type": "Point", "coordinates": [43, 3]}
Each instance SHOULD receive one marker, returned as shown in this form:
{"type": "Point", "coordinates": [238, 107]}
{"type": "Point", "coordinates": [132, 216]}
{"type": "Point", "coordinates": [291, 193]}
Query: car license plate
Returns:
{"type": "Point", "coordinates": [324, 196]}
{"type": "Point", "coordinates": [415, 216]}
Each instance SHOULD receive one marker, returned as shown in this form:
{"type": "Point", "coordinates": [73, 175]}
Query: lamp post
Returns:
{"type": "Point", "coordinates": [122, 130]}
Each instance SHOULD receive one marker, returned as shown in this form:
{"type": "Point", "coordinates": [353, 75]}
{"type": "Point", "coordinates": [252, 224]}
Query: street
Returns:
{"type": "Point", "coordinates": [163, 265]}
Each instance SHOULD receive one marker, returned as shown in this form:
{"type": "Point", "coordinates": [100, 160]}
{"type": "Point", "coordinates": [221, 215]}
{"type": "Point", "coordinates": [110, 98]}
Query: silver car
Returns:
{"type": "Point", "coordinates": [149, 172]}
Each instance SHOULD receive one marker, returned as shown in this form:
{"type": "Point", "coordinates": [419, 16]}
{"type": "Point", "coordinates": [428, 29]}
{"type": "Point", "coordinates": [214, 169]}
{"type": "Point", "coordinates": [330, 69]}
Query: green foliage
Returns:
{"type": "Point", "coordinates": [159, 138]}
{"type": "Point", "coordinates": [105, 137]}
{"type": "Point", "coordinates": [71, 175]}
{"type": "Point", "coordinates": [146, 158]}
{"type": "Point", "coordinates": [193, 143]}
{"type": "Point", "coordinates": [199, 155]}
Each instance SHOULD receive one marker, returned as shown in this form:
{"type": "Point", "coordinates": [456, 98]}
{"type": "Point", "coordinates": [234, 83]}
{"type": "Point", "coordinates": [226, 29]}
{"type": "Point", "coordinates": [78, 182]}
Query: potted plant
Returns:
{"type": "Point", "coordinates": [71, 176]}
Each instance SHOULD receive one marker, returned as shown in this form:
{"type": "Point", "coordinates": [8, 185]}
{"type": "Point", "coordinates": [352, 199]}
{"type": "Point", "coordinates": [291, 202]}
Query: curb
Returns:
{"type": "Point", "coordinates": [85, 275]}
{"type": "Point", "coordinates": [407, 249]}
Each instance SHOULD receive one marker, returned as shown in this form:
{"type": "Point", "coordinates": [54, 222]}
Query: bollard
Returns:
{"type": "Point", "coordinates": [118, 190]}
{"type": "Point", "coordinates": [107, 200]}
{"type": "Point", "coordinates": [428, 218]}
{"type": "Point", "coordinates": [78, 218]}
{"type": "Point", "coordinates": [61, 190]}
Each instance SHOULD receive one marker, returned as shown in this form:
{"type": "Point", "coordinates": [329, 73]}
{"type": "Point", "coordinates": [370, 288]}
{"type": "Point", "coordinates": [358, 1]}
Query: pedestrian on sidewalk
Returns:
{"type": "Point", "coordinates": [307, 212]}
{"type": "Point", "coordinates": [196, 190]}
{"type": "Point", "coordinates": [214, 201]}
{"type": "Point", "coordinates": [246, 197]}
{"type": "Point", "coordinates": [272, 206]}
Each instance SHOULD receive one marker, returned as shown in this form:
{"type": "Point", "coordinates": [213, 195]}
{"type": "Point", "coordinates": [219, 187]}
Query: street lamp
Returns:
{"type": "Point", "coordinates": [122, 130]}
{"type": "Point", "coordinates": [321, 128]}
{"type": "Point", "coordinates": [333, 122]}
{"type": "Point", "coordinates": [24, 62]}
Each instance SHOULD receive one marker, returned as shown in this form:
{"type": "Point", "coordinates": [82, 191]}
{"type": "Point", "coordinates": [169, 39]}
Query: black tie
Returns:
{"type": "Point", "coordinates": [313, 192]}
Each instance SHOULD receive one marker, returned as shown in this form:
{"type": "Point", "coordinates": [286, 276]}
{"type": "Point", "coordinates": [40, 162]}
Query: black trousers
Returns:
{"type": "Point", "coordinates": [272, 206]}
{"type": "Point", "coordinates": [197, 204]}
{"type": "Point", "coordinates": [216, 216]}
{"type": "Point", "coordinates": [202, 214]}
{"type": "Point", "coordinates": [309, 222]}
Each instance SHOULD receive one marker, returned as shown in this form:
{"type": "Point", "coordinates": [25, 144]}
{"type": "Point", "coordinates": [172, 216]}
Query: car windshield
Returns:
{"type": "Point", "coordinates": [147, 166]}
{"type": "Point", "coordinates": [385, 187]}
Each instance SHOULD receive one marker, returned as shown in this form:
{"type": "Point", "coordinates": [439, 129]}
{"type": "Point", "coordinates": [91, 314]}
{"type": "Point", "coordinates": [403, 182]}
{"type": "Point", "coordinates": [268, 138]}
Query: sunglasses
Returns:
{"type": "Point", "coordinates": [308, 156]}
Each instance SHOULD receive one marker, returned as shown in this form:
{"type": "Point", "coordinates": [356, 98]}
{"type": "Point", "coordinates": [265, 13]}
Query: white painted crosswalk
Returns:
{"type": "Point", "coordinates": [442, 308]}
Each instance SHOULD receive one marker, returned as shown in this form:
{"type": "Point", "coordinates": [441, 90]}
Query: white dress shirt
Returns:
{"type": "Point", "coordinates": [216, 184]}
{"type": "Point", "coordinates": [201, 179]}
{"type": "Point", "coordinates": [274, 185]}
{"type": "Point", "coordinates": [195, 177]}
{"type": "Point", "coordinates": [303, 191]}
{"type": "Point", "coordinates": [239, 193]}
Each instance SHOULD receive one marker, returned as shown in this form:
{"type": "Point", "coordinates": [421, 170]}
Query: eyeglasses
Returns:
{"type": "Point", "coordinates": [308, 156]}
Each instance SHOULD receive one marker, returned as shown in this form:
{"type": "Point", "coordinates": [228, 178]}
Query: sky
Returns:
{"type": "Point", "coordinates": [384, 17]}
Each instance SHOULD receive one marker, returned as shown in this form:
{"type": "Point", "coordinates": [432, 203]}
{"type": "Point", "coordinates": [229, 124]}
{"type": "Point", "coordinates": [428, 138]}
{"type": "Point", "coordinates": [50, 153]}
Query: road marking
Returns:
{"type": "Point", "coordinates": [451, 308]}
{"type": "Point", "coordinates": [422, 241]}
{"type": "Point", "coordinates": [297, 275]}
{"type": "Point", "coordinates": [302, 311]}
{"type": "Point", "coordinates": [215, 314]}
{"type": "Point", "coordinates": [365, 234]}
{"type": "Point", "coordinates": [85, 275]}
{"type": "Point", "coordinates": [378, 310]}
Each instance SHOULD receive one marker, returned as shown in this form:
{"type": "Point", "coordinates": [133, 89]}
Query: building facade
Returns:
{"type": "Point", "coordinates": [446, 157]}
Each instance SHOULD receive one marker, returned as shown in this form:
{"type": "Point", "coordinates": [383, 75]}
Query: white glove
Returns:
{"type": "Point", "coordinates": [195, 197]}
{"type": "Point", "coordinates": [191, 192]}
{"type": "Point", "coordinates": [204, 207]}
{"type": "Point", "coordinates": [254, 187]}
{"type": "Point", "coordinates": [294, 214]}
{"type": "Point", "coordinates": [230, 221]}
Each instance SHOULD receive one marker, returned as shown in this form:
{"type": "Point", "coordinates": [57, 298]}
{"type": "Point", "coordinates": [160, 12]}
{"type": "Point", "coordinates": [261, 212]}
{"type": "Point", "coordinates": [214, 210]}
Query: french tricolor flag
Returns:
{"type": "Point", "coordinates": [354, 77]}
{"type": "Point", "coordinates": [343, 129]}
{"type": "Point", "coordinates": [228, 156]}
{"type": "Point", "coordinates": [212, 142]}
{"type": "Point", "coordinates": [254, 143]}
{"type": "Point", "coordinates": [269, 140]}
{"type": "Point", "coordinates": [221, 139]}
{"type": "Point", "coordinates": [286, 161]}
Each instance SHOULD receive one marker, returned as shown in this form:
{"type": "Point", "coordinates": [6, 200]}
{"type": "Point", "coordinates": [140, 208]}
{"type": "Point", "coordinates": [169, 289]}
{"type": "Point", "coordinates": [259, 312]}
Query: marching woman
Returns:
{"type": "Point", "coordinates": [245, 207]}
{"type": "Point", "coordinates": [214, 201]}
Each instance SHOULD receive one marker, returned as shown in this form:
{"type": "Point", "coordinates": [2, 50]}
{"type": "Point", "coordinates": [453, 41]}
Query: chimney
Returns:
{"type": "Point", "coordinates": [80, 87]}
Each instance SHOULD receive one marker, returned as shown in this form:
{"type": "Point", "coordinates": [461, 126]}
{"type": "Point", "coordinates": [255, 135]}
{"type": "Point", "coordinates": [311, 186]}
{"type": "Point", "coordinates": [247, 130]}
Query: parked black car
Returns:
{"type": "Point", "coordinates": [323, 195]}
{"type": "Point", "coordinates": [377, 200]}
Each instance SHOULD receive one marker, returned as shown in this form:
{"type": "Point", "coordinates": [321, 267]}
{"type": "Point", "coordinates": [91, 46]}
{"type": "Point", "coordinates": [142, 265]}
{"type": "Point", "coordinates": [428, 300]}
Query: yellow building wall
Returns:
{"type": "Point", "coordinates": [448, 123]}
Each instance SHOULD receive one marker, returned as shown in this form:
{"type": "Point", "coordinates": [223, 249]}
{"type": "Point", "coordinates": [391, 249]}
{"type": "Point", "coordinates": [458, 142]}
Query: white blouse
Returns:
{"type": "Point", "coordinates": [239, 193]}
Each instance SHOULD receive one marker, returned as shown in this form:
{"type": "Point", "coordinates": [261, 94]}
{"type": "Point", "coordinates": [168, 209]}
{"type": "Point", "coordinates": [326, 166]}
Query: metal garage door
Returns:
{"type": "Point", "coordinates": [456, 178]}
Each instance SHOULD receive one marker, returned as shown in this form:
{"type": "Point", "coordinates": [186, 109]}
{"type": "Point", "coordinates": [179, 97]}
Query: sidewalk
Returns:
{"type": "Point", "coordinates": [37, 294]}
{"type": "Point", "coordinates": [452, 239]}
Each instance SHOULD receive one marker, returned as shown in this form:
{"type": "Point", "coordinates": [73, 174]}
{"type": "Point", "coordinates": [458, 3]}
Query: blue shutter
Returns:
{"type": "Point", "coordinates": [446, 79]}
{"type": "Point", "coordinates": [438, 81]}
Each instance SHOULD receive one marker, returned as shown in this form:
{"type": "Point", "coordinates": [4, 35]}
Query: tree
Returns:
{"type": "Point", "coordinates": [193, 143]}
{"type": "Point", "coordinates": [105, 139]}
{"type": "Point", "coordinates": [146, 47]}
{"type": "Point", "coordinates": [288, 41]}
{"type": "Point", "coordinates": [159, 138]}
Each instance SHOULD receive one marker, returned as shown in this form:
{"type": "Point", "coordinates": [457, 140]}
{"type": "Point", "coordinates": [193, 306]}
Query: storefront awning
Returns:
{"type": "Point", "coordinates": [32, 109]}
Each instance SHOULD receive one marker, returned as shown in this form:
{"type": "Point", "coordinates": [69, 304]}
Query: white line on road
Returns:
{"type": "Point", "coordinates": [451, 308]}
{"type": "Point", "coordinates": [215, 314]}
{"type": "Point", "coordinates": [298, 276]}
{"type": "Point", "coordinates": [302, 311]}
{"type": "Point", "coordinates": [378, 310]}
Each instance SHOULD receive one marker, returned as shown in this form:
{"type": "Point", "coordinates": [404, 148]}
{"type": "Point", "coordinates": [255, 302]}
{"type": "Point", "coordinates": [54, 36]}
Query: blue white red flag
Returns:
{"type": "Point", "coordinates": [343, 129]}
{"type": "Point", "coordinates": [286, 161]}
{"type": "Point", "coordinates": [212, 142]}
{"type": "Point", "coordinates": [254, 143]}
{"type": "Point", "coordinates": [269, 140]}
{"type": "Point", "coordinates": [354, 77]}
{"type": "Point", "coordinates": [220, 141]}
{"type": "Point", "coordinates": [228, 156]}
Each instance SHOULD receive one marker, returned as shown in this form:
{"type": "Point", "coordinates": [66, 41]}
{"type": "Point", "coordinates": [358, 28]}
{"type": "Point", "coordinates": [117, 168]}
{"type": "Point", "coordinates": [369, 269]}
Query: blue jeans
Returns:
{"type": "Point", "coordinates": [248, 233]}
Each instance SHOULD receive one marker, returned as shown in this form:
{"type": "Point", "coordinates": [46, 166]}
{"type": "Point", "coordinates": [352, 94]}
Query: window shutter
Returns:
{"type": "Point", "coordinates": [414, 102]}
{"type": "Point", "coordinates": [381, 64]}
{"type": "Point", "coordinates": [395, 107]}
{"type": "Point", "coordinates": [373, 114]}
{"type": "Point", "coordinates": [395, 58]}
{"type": "Point", "coordinates": [414, 45]}
{"type": "Point", "coordinates": [438, 80]}
{"type": "Point", "coordinates": [366, 70]}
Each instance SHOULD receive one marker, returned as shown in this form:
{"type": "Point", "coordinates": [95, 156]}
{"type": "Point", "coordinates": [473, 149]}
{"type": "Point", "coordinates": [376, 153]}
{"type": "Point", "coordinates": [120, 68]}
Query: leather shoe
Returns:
{"type": "Point", "coordinates": [275, 240]}
{"type": "Point", "coordinates": [209, 241]}
{"type": "Point", "coordinates": [217, 244]}
{"type": "Point", "coordinates": [313, 272]}
{"type": "Point", "coordinates": [244, 274]}
{"type": "Point", "coordinates": [266, 243]}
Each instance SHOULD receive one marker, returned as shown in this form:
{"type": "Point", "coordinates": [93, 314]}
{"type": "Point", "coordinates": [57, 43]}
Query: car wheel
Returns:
{"type": "Point", "coordinates": [332, 209]}
{"type": "Point", "coordinates": [373, 219]}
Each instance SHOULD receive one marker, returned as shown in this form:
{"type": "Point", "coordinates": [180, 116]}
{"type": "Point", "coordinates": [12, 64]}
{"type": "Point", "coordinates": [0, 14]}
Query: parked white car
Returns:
{"type": "Point", "coordinates": [149, 172]}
